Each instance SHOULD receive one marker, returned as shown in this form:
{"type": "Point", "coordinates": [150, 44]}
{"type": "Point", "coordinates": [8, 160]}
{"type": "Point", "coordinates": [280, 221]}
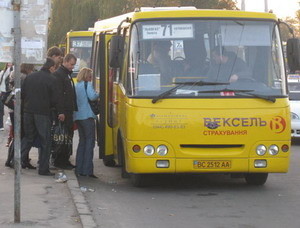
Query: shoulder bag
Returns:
{"type": "Point", "coordinates": [95, 105]}
{"type": "Point", "coordinates": [8, 98]}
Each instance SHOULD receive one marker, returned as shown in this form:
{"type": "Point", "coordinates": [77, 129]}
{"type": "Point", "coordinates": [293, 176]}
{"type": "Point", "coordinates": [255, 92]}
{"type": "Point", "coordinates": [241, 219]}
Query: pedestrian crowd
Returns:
{"type": "Point", "coordinates": [51, 104]}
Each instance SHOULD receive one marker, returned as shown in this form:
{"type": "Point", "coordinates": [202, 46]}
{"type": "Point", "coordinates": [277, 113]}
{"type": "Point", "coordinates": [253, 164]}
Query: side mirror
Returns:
{"type": "Point", "coordinates": [116, 51]}
{"type": "Point", "coordinates": [293, 54]}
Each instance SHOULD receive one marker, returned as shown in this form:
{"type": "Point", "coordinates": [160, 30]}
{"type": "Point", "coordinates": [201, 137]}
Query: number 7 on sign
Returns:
{"type": "Point", "coordinates": [165, 27]}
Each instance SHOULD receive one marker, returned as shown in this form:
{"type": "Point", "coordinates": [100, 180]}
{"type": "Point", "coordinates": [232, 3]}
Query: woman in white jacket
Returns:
{"type": "Point", "coordinates": [4, 84]}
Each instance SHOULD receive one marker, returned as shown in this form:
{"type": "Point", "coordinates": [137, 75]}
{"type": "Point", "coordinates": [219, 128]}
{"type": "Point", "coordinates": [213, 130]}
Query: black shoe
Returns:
{"type": "Point", "coordinates": [9, 164]}
{"type": "Point", "coordinates": [93, 176]}
{"type": "Point", "coordinates": [67, 167]}
{"type": "Point", "coordinates": [70, 164]}
{"type": "Point", "coordinates": [28, 166]}
{"type": "Point", "coordinates": [46, 173]}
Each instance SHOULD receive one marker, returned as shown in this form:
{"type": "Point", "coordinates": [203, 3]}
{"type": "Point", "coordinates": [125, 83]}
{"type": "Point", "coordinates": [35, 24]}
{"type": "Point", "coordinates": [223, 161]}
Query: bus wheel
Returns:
{"type": "Point", "coordinates": [109, 162]}
{"type": "Point", "coordinates": [138, 180]}
{"type": "Point", "coordinates": [121, 158]}
{"type": "Point", "coordinates": [256, 178]}
{"type": "Point", "coordinates": [124, 173]}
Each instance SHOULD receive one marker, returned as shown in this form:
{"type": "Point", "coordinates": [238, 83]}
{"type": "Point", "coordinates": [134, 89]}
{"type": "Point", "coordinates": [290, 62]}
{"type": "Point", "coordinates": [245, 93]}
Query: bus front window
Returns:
{"type": "Point", "coordinates": [81, 47]}
{"type": "Point", "coordinates": [232, 55]}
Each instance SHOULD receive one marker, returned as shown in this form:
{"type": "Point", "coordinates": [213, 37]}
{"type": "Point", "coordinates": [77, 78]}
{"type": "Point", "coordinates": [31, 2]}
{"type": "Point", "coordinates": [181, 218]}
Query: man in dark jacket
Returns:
{"type": "Point", "coordinates": [67, 103]}
{"type": "Point", "coordinates": [39, 96]}
{"type": "Point", "coordinates": [227, 66]}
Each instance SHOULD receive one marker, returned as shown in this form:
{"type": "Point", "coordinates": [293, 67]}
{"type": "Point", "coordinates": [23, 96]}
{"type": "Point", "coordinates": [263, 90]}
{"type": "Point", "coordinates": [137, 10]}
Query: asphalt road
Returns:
{"type": "Point", "coordinates": [189, 201]}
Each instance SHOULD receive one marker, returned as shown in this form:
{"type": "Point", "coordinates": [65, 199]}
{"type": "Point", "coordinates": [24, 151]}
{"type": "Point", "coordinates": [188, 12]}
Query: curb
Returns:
{"type": "Point", "coordinates": [79, 200]}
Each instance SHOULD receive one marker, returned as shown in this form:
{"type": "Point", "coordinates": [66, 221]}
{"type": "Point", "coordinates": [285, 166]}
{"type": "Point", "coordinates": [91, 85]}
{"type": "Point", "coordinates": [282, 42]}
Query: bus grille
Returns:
{"type": "Point", "coordinates": [211, 145]}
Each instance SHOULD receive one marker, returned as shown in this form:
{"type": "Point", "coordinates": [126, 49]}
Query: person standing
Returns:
{"type": "Point", "coordinates": [25, 69]}
{"type": "Point", "coordinates": [85, 120]}
{"type": "Point", "coordinates": [1, 116]}
{"type": "Point", "coordinates": [67, 103]}
{"type": "Point", "coordinates": [4, 87]}
{"type": "Point", "coordinates": [38, 96]}
{"type": "Point", "coordinates": [56, 54]}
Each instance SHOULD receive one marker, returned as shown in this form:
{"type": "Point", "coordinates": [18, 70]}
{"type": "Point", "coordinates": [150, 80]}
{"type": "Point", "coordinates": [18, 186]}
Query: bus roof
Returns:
{"type": "Point", "coordinates": [79, 33]}
{"type": "Point", "coordinates": [176, 12]}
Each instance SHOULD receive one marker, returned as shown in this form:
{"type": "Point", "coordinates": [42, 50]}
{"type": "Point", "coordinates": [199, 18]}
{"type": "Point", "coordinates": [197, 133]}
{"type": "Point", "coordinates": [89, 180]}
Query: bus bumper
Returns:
{"type": "Point", "coordinates": [190, 165]}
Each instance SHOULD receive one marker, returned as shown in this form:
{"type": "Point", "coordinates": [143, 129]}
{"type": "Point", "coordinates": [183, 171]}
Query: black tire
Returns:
{"type": "Point", "coordinates": [256, 178]}
{"type": "Point", "coordinates": [109, 162]}
{"type": "Point", "coordinates": [138, 180]}
{"type": "Point", "coordinates": [121, 158]}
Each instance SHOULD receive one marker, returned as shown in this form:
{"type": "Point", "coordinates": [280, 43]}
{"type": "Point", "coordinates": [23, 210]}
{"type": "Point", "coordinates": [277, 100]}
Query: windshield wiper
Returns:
{"type": "Point", "coordinates": [202, 83]}
{"type": "Point", "coordinates": [240, 92]}
{"type": "Point", "coordinates": [181, 84]}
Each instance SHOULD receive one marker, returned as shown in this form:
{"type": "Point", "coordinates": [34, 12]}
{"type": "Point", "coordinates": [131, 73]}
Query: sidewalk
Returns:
{"type": "Point", "coordinates": [44, 202]}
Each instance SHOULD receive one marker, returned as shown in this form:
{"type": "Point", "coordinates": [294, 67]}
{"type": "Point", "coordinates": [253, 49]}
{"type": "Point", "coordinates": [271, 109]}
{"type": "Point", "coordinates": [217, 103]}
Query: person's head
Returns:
{"type": "Point", "coordinates": [69, 61]}
{"type": "Point", "coordinates": [162, 47]}
{"type": "Point", "coordinates": [7, 66]}
{"type": "Point", "coordinates": [219, 55]}
{"type": "Point", "coordinates": [26, 68]}
{"type": "Point", "coordinates": [49, 65]}
{"type": "Point", "coordinates": [55, 53]}
{"type": "Point", "coordinates": [160, 51]}
{"type": "Point", "coordinates": [85, 74]}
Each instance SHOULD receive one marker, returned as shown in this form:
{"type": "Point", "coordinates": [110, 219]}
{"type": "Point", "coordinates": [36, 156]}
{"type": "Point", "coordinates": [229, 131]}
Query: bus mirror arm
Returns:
{"type": "Point", "coordinates": [288, 26]}
{"type": "Point", "coordinates": [120, 25]}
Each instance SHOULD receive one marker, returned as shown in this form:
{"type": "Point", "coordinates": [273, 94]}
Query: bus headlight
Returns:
{"type": "Point", "coordinates": [273, 150]}
{"type": "Point", "coordinates": [294, 116]}
{"type": "Point", "coordinates": [149, 150]}
{"type": "Point", "coordinates": [162, 150]}
{"type": "Point", "coordinates": [261, 150]}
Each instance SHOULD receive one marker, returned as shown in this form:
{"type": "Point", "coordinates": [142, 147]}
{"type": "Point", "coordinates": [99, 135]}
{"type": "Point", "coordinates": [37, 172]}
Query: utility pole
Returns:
{"type": "Point", "coordinates": [17, 109]}
{"type": "Point", "coordinates": [243, 5]}
{"type": "Point", "coordinates": [266, 6]}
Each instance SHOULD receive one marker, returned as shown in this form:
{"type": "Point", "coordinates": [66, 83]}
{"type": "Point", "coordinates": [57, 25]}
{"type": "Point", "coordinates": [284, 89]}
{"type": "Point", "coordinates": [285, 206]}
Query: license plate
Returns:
{"type": "Point", "coordinates": [212, 164]}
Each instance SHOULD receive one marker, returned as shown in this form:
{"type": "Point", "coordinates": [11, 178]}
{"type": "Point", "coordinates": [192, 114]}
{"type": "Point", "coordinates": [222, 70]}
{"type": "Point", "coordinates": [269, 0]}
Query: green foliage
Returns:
{"type": "Point", "coordinates": [2, 65]}
{"type": "Point", "coordinates": [81, 14]}
{"type": "Point", "coordinates": [71, 15]}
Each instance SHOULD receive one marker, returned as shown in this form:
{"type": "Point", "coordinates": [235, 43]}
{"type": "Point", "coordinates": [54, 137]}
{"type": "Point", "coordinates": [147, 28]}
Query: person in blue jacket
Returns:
{"type": "Point", "coordinates": [85, 120]}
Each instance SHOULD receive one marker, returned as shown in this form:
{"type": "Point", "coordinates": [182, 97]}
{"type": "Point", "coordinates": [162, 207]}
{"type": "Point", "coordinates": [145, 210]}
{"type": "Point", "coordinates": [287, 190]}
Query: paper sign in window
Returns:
{"type": "Point", "coordinates": [148, 82]}
{"type": "Point", "coordinates": [168, 31]}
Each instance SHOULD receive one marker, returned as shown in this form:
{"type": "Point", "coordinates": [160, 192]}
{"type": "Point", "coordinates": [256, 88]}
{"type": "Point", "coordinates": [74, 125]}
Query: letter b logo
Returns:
{"type": "Point", "coordinates": [278, 124]}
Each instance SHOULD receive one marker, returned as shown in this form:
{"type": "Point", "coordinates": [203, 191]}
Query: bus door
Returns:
{"type": "Point", "coordinates": [108, 103]}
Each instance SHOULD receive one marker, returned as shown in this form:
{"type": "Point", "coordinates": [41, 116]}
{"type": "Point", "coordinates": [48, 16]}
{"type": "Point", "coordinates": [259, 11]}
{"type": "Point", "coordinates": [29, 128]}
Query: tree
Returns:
{"type": "Point", "coordinates": [81, 14]}
{"type": "Point", "coordinates": [200, 4]}
{"type": "Point", "coordinates": [294, 24]}
{"type": "Point", "coordinates": [71, 15]}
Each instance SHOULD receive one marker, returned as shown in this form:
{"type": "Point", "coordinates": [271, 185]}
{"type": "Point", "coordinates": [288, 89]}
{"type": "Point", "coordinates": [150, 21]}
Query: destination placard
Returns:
{"type": "Point", "coordinates": [168, 31]}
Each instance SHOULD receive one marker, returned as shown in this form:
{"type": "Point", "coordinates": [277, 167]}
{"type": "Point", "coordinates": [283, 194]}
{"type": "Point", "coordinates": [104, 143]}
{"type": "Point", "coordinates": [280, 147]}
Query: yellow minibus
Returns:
{"type": "Point", "coordinates": [185, 90]}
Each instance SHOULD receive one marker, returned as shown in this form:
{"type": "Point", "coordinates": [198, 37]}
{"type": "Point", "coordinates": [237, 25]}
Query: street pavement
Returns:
{"type": "Point", "coordinates": [44, 202]}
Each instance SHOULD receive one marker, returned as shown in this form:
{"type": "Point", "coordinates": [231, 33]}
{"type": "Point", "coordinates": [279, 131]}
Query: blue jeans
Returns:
{"type": "Point", "coordinates": [85, 149]}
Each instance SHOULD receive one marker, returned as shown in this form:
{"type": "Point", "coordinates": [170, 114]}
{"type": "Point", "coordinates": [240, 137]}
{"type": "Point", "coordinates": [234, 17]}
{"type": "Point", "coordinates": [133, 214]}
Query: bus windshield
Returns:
{"type": "Point", "coordinates": [207, 58]}
{"type": "Point", "coordinates": [81, 47]}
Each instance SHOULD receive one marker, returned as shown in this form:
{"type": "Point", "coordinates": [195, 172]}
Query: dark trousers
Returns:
{"type": "Point", "coordinates": [37, 125]}
{"type": "Point", "coordinates": [85, 149]}
{"type": "Point", "coordinates": [61, 158]}
{"type": "Point", "coordinates": [1, 113]}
